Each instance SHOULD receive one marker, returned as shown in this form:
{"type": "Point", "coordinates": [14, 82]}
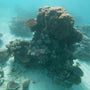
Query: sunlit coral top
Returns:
{"type": "Point", "coordinates": [31, 22]}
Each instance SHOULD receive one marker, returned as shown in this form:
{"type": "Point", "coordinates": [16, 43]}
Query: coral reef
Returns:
{"type": "Point", "coordinates": [18, 28]}
{"type": "Point", "coordinates": [83, 50]}
{"type": "Point", "coordinates": [4, 55]}
{"type": "Point", "coordinates": [85, 29]}
{"type": "Point", "coordinates": [1, 42]}
{"type": "Point", "coordinates": [52, 45]}
{"type": "Point", "coordinates": [19, 49]}
{"type": "Point", "coordinates": [26, 85]}
{"type": "Point", "coordinates": [12, 85]}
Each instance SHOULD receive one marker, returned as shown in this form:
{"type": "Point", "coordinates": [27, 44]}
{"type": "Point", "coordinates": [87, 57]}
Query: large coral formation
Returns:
{"type": "Point", "coordinates": [52, 45]}
{"type": "Point", "coordinates": [18, 28]}
{"type": "Point", "coordinates": [56, 22]}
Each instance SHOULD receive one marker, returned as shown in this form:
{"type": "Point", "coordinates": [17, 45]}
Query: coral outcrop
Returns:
{"type": "Point", "coordinates": [18, 28]}
{"type": "Point", "coordinates": [4, 54]}
{"type": "Point", "coordinates": [25, 85]}
{"type": "Point", "coordinates": [19, 49]}
{"type": "Point", "coordinates": [12, 85]}
{"type": "Point", "coordinates": [52, 45]}
{"type": "Point", "coordinates": [85, 29]}
{"type": "Point", "coordinates": [83, 50]}
{"type": "Point", "coordinates": [1, 42]}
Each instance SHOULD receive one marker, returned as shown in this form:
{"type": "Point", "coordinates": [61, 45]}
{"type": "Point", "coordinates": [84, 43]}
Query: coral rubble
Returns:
{"type": "Point", "coordinates": [52, 45]}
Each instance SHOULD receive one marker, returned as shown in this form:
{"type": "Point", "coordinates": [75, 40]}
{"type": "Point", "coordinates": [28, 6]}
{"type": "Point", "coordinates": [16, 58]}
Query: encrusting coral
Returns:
{"type": "Point", "coordinates": [52, 45]}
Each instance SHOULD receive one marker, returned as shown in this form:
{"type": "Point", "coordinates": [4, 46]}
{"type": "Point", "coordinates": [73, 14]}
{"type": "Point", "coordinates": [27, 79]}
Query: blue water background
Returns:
{"type": "Point", "coordinates": [78, 8]}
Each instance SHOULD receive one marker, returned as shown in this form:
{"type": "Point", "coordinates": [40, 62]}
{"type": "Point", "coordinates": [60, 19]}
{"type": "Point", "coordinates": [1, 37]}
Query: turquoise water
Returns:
{"type": "Point", "coordinates": [79, 9]}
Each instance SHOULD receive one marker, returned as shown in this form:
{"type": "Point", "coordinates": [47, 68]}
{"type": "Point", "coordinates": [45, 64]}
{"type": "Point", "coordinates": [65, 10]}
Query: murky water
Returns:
{"type": "Point", "coordinates": [9, 9]}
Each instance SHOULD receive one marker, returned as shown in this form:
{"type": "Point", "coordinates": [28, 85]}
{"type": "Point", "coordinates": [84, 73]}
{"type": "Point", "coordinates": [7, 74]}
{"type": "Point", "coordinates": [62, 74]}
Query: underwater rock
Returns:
{"type": "Point", "coordinates": [12, 85]}
{"type": "Point", "coordinates": [26, 85]}
{"type": "Point", "coordinates": [18, 28]}
{"type": "Point", "coordinates": [4, 55]}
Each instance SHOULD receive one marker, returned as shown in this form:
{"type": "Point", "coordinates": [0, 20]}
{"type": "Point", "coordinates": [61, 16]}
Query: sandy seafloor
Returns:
{"type": "Point", "coordinates": [42, 82]}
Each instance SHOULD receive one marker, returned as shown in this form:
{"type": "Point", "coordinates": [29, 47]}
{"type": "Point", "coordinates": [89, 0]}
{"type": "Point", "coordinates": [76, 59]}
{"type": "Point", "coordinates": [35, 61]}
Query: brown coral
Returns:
{"type": "Point", "coordinates": [56, 22]}
{"type": "Point", "coordinates": [52, 45]}
{"type": "Point", "coordinates": [31, 22]}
